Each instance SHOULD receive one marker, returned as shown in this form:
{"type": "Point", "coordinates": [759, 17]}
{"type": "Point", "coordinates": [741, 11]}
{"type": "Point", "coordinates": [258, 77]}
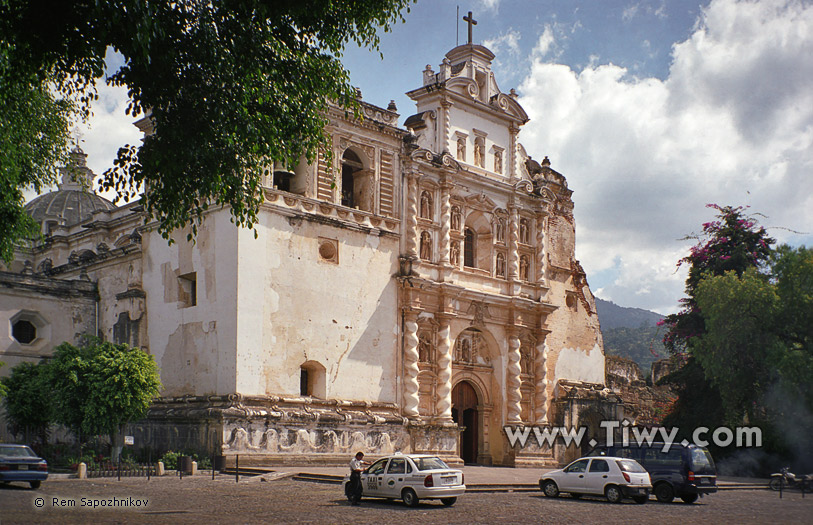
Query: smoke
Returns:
{"type": "Point", "coordinates": [792, 420]}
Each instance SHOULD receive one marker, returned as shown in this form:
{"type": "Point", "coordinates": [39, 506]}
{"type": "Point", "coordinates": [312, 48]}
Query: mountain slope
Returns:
{"type": "Point", "coordinates": [610, 315]}
{"type": "Point", "coordinates": [632, 333]}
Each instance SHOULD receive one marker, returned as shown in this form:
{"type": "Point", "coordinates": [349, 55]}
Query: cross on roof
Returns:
{"type": "Point", "coordinates": [472, 22]}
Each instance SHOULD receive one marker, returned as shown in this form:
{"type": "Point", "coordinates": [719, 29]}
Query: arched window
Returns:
{"type": "Point", "coordinates": [312, 380]}
{"type": "Point", "coordinates": [469, 241]}
{"type": "Point", "coordinates": [356, 183]}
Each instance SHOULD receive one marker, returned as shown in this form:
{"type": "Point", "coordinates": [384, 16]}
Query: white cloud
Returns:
{"type": "Point", "coordinates": [490, 5]}
{"type": "Point", "coordinates": [545, 43]}
{"type": "Point", "coordinates": [508, 40]}
{"type": "Point", "coordinates": [732, 124]}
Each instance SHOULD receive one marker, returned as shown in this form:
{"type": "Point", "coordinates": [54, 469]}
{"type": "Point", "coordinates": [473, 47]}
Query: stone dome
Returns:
{"type": "Point", "coordinates": [70, 203]}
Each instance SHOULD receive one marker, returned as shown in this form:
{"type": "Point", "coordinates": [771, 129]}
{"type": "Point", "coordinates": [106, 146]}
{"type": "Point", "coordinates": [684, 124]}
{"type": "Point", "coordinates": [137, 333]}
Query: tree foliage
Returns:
{"type": "Point", "coordinates": [745, 336]}
{"type": "Point", "coordinates": [734, 242]}
{"type": "Point", "coordinates": [101, 386]}
{"type": "Point", "coordinates": [28, 404]}
{"type": "Point", "coordinates": [759, 340]}
{"type": "Point", "coordinates": [232, 86]}
{"type": "Point", "coordinates": [3, 390]}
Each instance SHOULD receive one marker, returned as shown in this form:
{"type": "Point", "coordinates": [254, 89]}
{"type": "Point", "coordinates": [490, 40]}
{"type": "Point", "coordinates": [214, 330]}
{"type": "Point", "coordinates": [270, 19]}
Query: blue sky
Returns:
{"type": "Point", "coordinates": [651, 109]}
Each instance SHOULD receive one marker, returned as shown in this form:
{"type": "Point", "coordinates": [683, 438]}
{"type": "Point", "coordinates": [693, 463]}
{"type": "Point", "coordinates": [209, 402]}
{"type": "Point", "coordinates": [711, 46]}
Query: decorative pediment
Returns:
{"type": "Point", "coordinates": [444, 159]}
{"type": "Point", "coordinates": [524, 185]}
{"type": "Point", "coordinates": [480, 201]}
{"type": "Point", "coordinates": [507, 104]}
{"type": "Point", "coordinates": [464, 86]}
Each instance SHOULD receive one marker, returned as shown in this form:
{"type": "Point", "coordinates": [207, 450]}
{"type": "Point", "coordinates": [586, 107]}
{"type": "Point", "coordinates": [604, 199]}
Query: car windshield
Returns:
{"type": "Point", "coordinates": [429, 463]}
{"type": "Point", "coordinates": [627, 465]}
{"type": "Point", "coordinates": [17, 452]}
{"type": "Point", "coordinates": [701, 459]}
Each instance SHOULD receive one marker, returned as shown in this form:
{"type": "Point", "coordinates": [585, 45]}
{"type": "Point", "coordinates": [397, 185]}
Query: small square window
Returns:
{"type": "Point", "coordinates": [188, 289]}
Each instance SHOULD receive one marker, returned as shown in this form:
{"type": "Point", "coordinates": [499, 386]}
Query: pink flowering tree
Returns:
{"type": "Point", "coordinates": [734, 242]}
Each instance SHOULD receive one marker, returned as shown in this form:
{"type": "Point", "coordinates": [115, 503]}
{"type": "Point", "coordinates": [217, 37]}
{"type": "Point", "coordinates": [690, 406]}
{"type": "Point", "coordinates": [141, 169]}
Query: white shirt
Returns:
{"type": "Point", "coordinates": [356, 464]}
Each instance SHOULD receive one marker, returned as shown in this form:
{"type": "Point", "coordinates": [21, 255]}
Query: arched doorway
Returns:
{"type": "Point", "coordinates": [464, 413]}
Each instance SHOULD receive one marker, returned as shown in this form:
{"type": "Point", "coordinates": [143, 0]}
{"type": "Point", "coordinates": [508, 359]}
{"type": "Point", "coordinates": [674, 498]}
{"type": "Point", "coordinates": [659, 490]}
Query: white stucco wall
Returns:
{"type": "Point", "coordinates": [294, 307]}
{"type": "Point", "coordinates": [194, 346]}
{"type": "Point", "coordinates": [581, 365]}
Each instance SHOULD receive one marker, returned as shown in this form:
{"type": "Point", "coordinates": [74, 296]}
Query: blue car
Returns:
{"type": "Point", "coordinates": [20, 463]}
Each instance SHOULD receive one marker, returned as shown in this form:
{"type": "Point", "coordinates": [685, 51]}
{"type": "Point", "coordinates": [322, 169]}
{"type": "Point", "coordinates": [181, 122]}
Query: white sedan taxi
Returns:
{"type": "Point", "coordinates": [411, 477]}
{"type": "Point", "coordinates": [614, 478]}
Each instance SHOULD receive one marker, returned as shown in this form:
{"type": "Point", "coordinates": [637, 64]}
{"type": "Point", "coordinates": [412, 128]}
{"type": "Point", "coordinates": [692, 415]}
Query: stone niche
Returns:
{"type": "Point", "coordinates": [270, 430]}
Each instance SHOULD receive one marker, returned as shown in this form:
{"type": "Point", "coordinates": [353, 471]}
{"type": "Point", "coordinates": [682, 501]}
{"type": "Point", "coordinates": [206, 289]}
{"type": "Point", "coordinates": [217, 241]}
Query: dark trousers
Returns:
{"type": "Point", "coordinates": [355, 485]}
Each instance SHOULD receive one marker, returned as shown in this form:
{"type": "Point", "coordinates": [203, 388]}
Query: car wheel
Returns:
{"type": "Point", "coordinates": [410, 498]}
{"type": "Point", "coordinates": [550, 489]}
{"type": "Point", "coordinates": [775, 483]}
{"type": "Point", "coordinates": [688, 498]}
{"type": "Point", "coordinates": [448, 501]}
{"type": "Point", "coordinates": [613, 494]}
{"type": "Point", "coordinates": [35, 484]}
{"type": "Point", "coordinates": [640, 499]}
{"type": "Point", "coordinates": [664, 493]}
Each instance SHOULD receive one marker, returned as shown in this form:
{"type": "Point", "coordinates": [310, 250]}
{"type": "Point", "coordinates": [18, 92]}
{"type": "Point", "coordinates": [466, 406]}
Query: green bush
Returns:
{"type": "Point", "coordinates": [170, 459]}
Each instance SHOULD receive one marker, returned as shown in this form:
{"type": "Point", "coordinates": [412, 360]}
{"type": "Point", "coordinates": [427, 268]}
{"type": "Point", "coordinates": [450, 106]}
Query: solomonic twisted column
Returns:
{"type": "Point", "coordinates": [541, 384]}
{"type": "Point", "coordinates": [412, 218]}
{"type": "Point", "coordinates": [443, 406]}
{"type": "Point", "coordinates": [513, 381]}
{"type": "Point", "coordinates": [445, 226]}
{"type": "Point", "coordinates": [540, 250]}
{"type": "Point", "coordinates": [411, 367]}
{"type": "Point", "coordinates": [513, 246]}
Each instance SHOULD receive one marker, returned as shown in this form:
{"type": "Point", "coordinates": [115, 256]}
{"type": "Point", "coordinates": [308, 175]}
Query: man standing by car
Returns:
{"type": "Point", "coordinates": [354, 487]}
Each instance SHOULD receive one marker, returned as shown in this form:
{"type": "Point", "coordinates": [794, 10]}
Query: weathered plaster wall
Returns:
{"type": "Point", "coordinates": [64, 311]}
{"type": "Point", "coordinates": [194, 346]}
{"type": "Point", "coordinates": [296, 307]}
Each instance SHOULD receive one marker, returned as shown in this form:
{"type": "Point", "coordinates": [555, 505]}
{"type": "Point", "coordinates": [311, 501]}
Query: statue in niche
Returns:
{"type": "Point", "coordinates": [478, 154]}
{"type": "Point", "coordinates": [461, 149]}
{"type": "Point", "coordinates": [524, 236]}
{"type": "Point", "coordinates": [524, 267]}
{"type": "Point", "coordinates": [467, 348]}
{"type": "Point", "coordinates": [498, 162]}
{"type": "Point", "coordinates": [500, 265]}
{"type": "Point", "coordinates": [500, 230]}
{"type": "Point", "coordinates": [456, 217]}
{"type": "Point", "coordinates": [424, 347]}
{"type": "Point", "coordinates": [426, 246]}
{"type": "Point", "coordinates": [454, 255]}
{"type": "Point", "coordinates": [426, 205]}
{"type": "Point", "coordinates": [526, 358]}
{"type": "Point", "coordinates": [465, 351]}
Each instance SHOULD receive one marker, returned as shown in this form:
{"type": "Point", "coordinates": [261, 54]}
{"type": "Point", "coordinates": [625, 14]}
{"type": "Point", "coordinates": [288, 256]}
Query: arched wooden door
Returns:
{"type": "Point", "coordinates": [464, 413]}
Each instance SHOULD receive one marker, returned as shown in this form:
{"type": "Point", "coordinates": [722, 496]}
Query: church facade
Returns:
{"type": "Point", "coordinates": [420, 295]}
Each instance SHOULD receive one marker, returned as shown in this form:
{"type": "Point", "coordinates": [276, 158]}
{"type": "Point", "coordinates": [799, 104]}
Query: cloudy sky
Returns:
{"type": "Point", "coordinates": [651, 109]}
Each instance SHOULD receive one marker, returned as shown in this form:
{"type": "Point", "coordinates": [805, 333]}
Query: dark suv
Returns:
{"type": "Point", "coordinates": [684, 471]}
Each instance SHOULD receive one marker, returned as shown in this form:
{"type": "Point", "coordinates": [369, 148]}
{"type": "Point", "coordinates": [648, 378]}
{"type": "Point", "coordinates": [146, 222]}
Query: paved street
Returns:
{"type": "Point", "coordinates": [201, 500]}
